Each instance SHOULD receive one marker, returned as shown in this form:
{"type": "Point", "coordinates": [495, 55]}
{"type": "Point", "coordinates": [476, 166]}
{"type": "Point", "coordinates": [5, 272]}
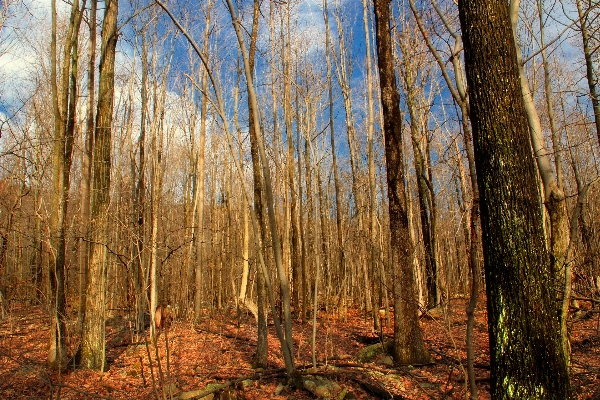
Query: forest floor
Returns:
{"type": "Point", "coordinates": [220, 349]}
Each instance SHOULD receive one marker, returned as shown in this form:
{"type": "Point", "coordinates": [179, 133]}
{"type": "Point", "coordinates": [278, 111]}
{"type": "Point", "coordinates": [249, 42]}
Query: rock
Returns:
{"type": "Point", "coordinates": [386, 360]}
{"type": "Point", "coordinates": [279, 389]}
{"type": "Point", "coordinates": [370, 353]}
{"type": "Point", "coordinates": [322, 388]}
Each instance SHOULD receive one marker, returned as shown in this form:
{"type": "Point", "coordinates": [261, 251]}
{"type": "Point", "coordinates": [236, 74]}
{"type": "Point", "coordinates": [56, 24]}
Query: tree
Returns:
{"type": "Point", "coordinates": [584, 22]}
{"type": "Point", "coordinates": [553, 189]}
{"type": "Point", "coordinates": [527, 358]}
{"type": "Point", "coordinates": [336, 180]}
{"type": "Point", "coordinates": [260, 359]}
{"type": "Point", "coordinates": [64, 101]}
{"type": "Point", "coordinates": [370, 122]}
{"type": "Point", "coordinates": [93, 340]}
{"type": "Point", "coordinates": [411, 66]}
{"type": "Point", "coordinates": [86, 164]}
{"type": "Point", "coordinates": [409, 347]}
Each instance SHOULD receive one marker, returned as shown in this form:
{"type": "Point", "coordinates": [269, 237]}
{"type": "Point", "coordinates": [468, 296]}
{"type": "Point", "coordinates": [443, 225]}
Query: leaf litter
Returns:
{"type": "Point", "coordinates": [219, 350]}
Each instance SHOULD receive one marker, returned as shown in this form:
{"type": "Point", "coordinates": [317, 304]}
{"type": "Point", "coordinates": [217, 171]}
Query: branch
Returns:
{"type": "Point", "coordinates": [198, 394]}
{"type": "Point", "coordinates": [135, 14]}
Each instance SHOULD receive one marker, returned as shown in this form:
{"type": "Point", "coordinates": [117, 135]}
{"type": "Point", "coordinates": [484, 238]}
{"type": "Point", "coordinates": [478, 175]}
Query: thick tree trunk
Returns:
{"type": "Point", "coordinates": [93, 340]}
{"type": "Point", "coordinates": [554, 196]}
{"type": "Point", "coordinates": [409, 347]}
{"type": "Point", "coordinates": [526, 354]}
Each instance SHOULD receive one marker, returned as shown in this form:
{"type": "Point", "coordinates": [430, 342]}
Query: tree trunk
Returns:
{"type": "Point", "coordinates": [373, 254]}
{"type": "Point", "coordinates": [86, 167]}
{"type": "Point", "coordinates": [199, 260]}
{"type": "Point", "coordinates": [526, 354]}
{"type": "Point", "coordinates": [64, 102]}
{"type": "Point", "coordinates": [339, 253]}
{"type": "Point", "coordinates": [262, 348]}
{"type": "Point", "coordinates": [423, 181]}
{"type": "Point", "coordinates": [409, 347]}
{"type": "Point", "coordinates": [554, 196]}
{"type": "Point", "coordinates": [139, 188]}
{"type": "Point", "coordinates": [93, 340]}
{"type": "Point", "coordinates": [589, 64]}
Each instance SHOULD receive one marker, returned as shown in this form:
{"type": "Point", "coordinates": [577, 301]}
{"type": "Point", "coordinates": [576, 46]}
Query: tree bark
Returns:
{"type": "Point", "coordinates": [370, 121]}
{"type": "Point", "coordinates": [409, 347]}
{"type": "Point", "coordinates": [93, 340]}
{"type": "Point", "coordinates": [527, 357]}
{"type": "Point", "coordinates": [339, 254]}
{"type": "Point", "coordinates": [553, 196]}
{"type": "Point", "coordinates": [262, 348]}
{"type": "Point", "coordinates": [64, 101]}
{"type": "Point", "coordinates": [200, 179]}
{"type": "Point", "coordinates": [86, 166]}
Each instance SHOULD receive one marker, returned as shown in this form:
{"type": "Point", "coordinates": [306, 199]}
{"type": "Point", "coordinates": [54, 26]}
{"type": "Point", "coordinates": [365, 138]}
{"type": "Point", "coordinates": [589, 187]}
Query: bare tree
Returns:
{"type": "Point", "coordinates": [586, 38]}
{"type": "Point", "coordinates": [523, 325]}
{"type": "Point", "coordinates": [93, 340]}
{"type": "Point", "coordinates": [409, 347]}
{"type": "Point", "coordinates": [64, 101]}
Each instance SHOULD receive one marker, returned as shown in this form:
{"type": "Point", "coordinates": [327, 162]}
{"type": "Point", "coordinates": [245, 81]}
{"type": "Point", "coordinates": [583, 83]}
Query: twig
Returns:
{"type": "Point", "coordinates": [151, 368]}
{"type": "Point", "coordinates": [168, 361]}
{"type": "Point", "coordinates": [161, 375]}
{"type": "Point", "coordinates": [142, 371]}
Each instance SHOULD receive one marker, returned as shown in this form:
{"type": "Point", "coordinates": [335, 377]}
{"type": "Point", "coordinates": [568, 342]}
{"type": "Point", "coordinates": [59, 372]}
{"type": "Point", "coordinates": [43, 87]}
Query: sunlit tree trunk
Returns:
{"type": "Point", "coordinates": [339, 254]}
{"type": "Point", "coordinates": [86, 165]}
{"type": "Point", "coordinates": [370, 122]}
{"type": "Point", "coordinates": [260, 358]}
{"type": "Point", "coordinates": [409, 347]}
{"type": "Point", "coordinates": [64, 101]}
{"type": "Point", "coordinates": [527, 358]}
{"type": "Point", "coordinates": [344, 73]}
{"type": "Point", "coordinates": [199, 261]}
{"type": "Point", "coordinates": [243, 298]}
{"type": "Point", "coordinates": [93, 340]}
{"type": "Point", "coordinates": [554, 197]}
{"type": "Point", "coordinates": [423, 181]}
{"type": "Point", "coordinates": [296, 247]}
{"type": "Point", "coordinates": [139, 190]}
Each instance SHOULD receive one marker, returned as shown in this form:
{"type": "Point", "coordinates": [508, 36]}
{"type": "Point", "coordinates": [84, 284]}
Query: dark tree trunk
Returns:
{"type": "Point", "coordinates": [527, 358]}
{"type": "Point", "coordinates": [409, 347]}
